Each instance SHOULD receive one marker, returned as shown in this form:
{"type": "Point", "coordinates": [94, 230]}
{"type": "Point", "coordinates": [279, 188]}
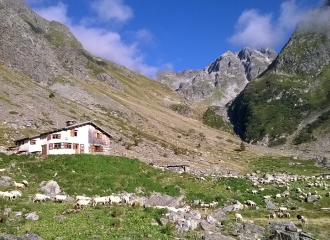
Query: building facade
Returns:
{"type": "Point", "coordinates": [75, 138]}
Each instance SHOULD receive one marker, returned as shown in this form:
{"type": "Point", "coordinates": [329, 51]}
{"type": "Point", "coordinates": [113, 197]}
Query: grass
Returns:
{"type": "Point", "coordinates": [102, 175]}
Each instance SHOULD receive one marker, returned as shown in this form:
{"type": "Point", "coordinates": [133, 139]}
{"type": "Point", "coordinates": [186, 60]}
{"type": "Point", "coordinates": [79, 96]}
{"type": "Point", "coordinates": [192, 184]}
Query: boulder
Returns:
{"type": "Point", "coordinates": [235, 206]}
{"type": "Point", "coordinates": [249, 231]}
{"type": "Point", "coordinates": [287, 231]}
{"type": "Point", "coordinates": [50, 188]}
{"type": "Point", "coordinates": [268, 177]}
{"type": "Point", "coordinates": [5, 181]}
{"type": "Point", "coordinates": [9, 237]}
{"type": "Point", "coordinates": [270, 205]}
{"type": "Point", "coordinates": [32, 216]}
{"type": "Point", "coordinates": [216, 237]}
{"type": "Point", "coordinates": [31, 236]}
{"type": "Point", "coordinates": [208, 226]}
{"type": "Point", "coordinates": [111, 81]}
{"type": "Point", "coordinates": [219, 215]}
{"type": "Point", "coordinates": [312, 198]}
{"type": "Point", "coordinates": [157, 199]}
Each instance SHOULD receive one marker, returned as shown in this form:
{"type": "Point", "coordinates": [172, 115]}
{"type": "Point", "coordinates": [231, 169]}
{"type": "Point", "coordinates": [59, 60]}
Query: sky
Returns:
{"type": "Point", "coordinates": [152, 35]}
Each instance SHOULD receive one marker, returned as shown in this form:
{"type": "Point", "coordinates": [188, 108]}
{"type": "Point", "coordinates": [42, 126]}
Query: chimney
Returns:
{"type": "Point", "coordinates": [70, 123]}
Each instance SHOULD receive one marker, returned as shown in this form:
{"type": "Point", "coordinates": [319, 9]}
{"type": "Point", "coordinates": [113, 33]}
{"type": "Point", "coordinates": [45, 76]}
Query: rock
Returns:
{"type": "Point", "coordinates": [268, 177]}
{"type": "Point", "coordinates": [194, 225]}
{"type": "Point", "coordinates": [235, 206]}
{"type": "Point", "coordinates": [163, 221]}
{"type": "Point", "coordinates": [312, 198]}
{"type": "Point", "coordinates": [5, 181]}
{"type": "Point", "coordinates": [111, 81]}
{"type": "Point", "coordinates": [216, 237]}
{"type": "Point", "coordinates": [157, 199]}
{"type": "Point", "coordinates": [195, 215]}
{"type": "Point", "coordinates": [32, 216]}
{"type": "Point", "coordinates": [9, 237]}
{"type": "Point", "coordinates": [219, 215]}
{"type": "Point", "coordinates": [7, 211]}
{"type": "Point", "coordinates": [96, 236]}
{"type": "Point", "coordinates": [208, 227]}
{"type": "Point", "coordinates": [70, 199]}
{"type": "Point", "coordinates": [183, 225]}
{"type": "Point", "coordinates": [31, 236]}
{"type": "Point", "coordinates": [210, 219]}
{"type": "Point", "coordinates": [17, 214]}
{"type": "Point", "coordinates": [249, 231]}
{"type": "Point", "coordinates": [68, 211]}
{"type": "Point", "coordinates": [270, 205]}
{"type": "Point", "coordinates": [50, 188]}
{"type": "Point", "coordinates": [287, 230]}
{"type": "Point", "coordinates": [61, 218]}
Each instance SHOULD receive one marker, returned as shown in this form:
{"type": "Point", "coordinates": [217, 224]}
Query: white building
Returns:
{"type": "Point", "coordinates": [75, 138]}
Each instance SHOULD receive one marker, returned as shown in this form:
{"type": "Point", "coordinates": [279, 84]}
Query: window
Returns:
{"type": "Point", "coordinates": [50, 146]}
{"type": "Point", "coordinates": [73, 133]}
{"type": "Point", "coordinates": [96, 148]}
{"type": "Point", "coordinates": [49, 137]}
{"type": "Point", "coordinates": [33, 142]}
{"type": "Point", "coordinates": [57, 145]}
{"type": "Point", "coordinates": [68, 145]}
{"type": "Point", "coordinates": [56, 136]}
{"type": "Point", "coordinates": [98, 135]}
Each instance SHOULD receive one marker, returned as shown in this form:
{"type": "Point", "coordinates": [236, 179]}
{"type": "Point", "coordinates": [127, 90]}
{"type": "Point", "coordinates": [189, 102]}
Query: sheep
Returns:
{"type": "Point", "coordinates": [254, 191]}
{"type": "Point", "coordinates": [238, 217]}
{"type": "Point", "coordinates": [299, 217]}
{"type": "Point", "coordinates": [278, 196]}
{"type": "Point", "coordinates": [283, 209]}
{"type": "Point", "coordinates": [2, 194]}
{"type": "Point", "coordinates": [125, 198]}
{"type": "Point", "coordinates": [80, 204]}
{"type": "Point", "coordinates": [82, 198]}
{"type": "Point", "coordinates": [40, 197]}
{"type": "Point", "coordinates": [267, 197]}
{"type": "Point", "coordinates": [114, 199]}
{"type": "Point", "coordinates": [102, 200]}
{"type": "Point", "coordinates": [213, 204]}
{"type": "Point", "coordinates": [16, 193]}
{"type": "Point", "coordinates": [280, 215]}
{"type": "Point", "coordinates": [273, 215]}
{"type": "Point", "coordinates": [9, 195]}
{"type": "Point", "coordinates": [60, 198]}
{"type": "Point", "coordinates": [25, 183]}
{"type": "Point", "coordinates": [251, 203]}
{"type": "Point", "coordinates": [2, 170]}
{"type": "Point", "coordinates": [286, 215]}
{"type": "Point", "coordinates": [304, 221]}
{"type": "Point", "coordinates": [19, 185]}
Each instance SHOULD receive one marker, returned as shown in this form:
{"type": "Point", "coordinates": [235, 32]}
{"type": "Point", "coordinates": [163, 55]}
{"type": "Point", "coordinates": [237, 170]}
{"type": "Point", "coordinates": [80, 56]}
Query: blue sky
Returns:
{"type": "Point", "coordinates": [152, 35]}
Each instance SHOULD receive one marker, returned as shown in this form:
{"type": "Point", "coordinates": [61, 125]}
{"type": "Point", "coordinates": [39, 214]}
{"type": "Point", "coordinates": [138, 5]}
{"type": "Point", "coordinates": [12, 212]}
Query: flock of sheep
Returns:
{"type": "Point", "coordinates": [15, 193]}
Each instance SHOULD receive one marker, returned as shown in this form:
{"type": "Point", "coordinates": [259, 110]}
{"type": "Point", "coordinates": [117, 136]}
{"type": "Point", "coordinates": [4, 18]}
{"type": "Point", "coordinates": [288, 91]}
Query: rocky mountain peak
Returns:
{"type": "Point", "coordinates": [221, 80]}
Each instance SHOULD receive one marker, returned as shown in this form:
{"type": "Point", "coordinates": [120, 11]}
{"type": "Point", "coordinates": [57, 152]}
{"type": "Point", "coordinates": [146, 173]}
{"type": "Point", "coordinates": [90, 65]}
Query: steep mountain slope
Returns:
{"type": "Point", "coordinates": [223, 79]}
{"type": "Point", "coordinates": [290, 102]}
{"type": "Point", "coordinates": [46, 78]}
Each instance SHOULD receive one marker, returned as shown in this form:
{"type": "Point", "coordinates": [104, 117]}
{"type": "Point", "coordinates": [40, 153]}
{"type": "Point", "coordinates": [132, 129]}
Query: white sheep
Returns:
{"type": "Point", "coordinates": [60, 198]}
{"type": "Point", "coordinates": [16, 193]}
{"type": "Point", "coordinates": [9, 195]}
{"type": "Point", "coordinates": [286, 215]}
{"type": "Point", "coordinates": [125, 198]}
{"type": "Point", "coordinates": [114, 199]}
{"type": "Point", "coordinates": [2, 170]}
{"type": "Point", "coordinates": [267, 197]}
{"type": "Point", "coordinates": [251, 203]}
{"type": "Point", "coordinates": [25, 183]}
{"type": "Point", "coordinates": [278, 196]}
{"type": "Point", "coordinates": [82, 198]}
{"type": "Point", "coordinates": [254, 191]}
{"type": "Point", "coordinates": [80, 204]}
{"type": "Point", "coordinates": [2, 194]}
{"type": "Point", "coordinates": [19, 185]}
{"type": "Point", "coordinates": [280, 214]}
{"type": "Point", "coordinates": [40, 197]}
{"type": "Point", "coordinates": [304, 221]}
{"type": "Point", "coordinates": [102, 200]}
{"type": "Point", "coordinates": [282, 209]}
{"type": "Point", "coordinates": [239, 217]}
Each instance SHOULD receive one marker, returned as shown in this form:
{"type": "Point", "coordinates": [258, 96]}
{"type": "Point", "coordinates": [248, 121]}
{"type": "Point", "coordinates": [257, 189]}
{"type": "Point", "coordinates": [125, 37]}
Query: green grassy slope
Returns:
{"type": "Point", "coordinates": [102, 175]}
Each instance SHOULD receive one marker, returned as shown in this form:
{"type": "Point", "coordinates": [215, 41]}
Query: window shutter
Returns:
{"type": "Point", "coordinates": [59, 136]}
{"type": "Point", "coordinates": [93, 148]}
{"type": "Point", "coordinates": [65, 145]}
{"type": "Point", "coordinates": [50, 146]}
{"type": "Point", "coordinates": [49, 137]}
{"type": "Point", "coordinates": [72, 132]}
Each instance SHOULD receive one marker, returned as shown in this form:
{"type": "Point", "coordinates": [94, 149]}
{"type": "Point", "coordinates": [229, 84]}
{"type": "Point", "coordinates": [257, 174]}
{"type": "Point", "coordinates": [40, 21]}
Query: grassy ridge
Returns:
{"type": "Point", "coordinates": [102, 175]}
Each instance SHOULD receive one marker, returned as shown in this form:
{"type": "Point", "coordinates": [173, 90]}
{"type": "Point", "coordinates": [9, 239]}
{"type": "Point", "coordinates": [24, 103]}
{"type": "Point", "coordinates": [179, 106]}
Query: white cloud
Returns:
{"type": "Point", "coordinates": [144, 36]}
{"type": "Point", "coordinates": [261, 30]}
{"type": "Point", "coordinates": [103, 42]}
{"type": "Point", "coordinates": [109, 10]}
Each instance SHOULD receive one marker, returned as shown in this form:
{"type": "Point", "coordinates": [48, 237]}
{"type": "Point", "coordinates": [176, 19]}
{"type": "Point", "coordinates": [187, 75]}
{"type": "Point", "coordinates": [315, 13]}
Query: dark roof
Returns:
{"type": "Point", "coordinates": [67, 128]}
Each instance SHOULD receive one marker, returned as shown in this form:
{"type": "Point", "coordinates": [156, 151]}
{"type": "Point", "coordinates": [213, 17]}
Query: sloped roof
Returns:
{"type": "Point", "coordinates": [67, 128]}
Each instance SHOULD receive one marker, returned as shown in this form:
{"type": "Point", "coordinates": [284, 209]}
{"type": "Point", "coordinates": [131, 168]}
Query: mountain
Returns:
{"type": "Point", "coordinates": [290, 102]}
{"type": "Point", "coordinates": [47, 78]}
{"type": "Point", "coordinates": [223, 79]}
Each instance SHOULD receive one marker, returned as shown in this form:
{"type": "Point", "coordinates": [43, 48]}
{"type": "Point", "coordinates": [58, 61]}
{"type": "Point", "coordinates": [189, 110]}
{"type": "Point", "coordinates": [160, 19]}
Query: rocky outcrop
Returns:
{"type": "Point", "coordinates": [287, 231]}
{"type": "Point", "coordinates": [111, 81]}
{"type": "Point", "coordinates": [223, 79]}
{"type": "Point", "coordinates": [40, 49]}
